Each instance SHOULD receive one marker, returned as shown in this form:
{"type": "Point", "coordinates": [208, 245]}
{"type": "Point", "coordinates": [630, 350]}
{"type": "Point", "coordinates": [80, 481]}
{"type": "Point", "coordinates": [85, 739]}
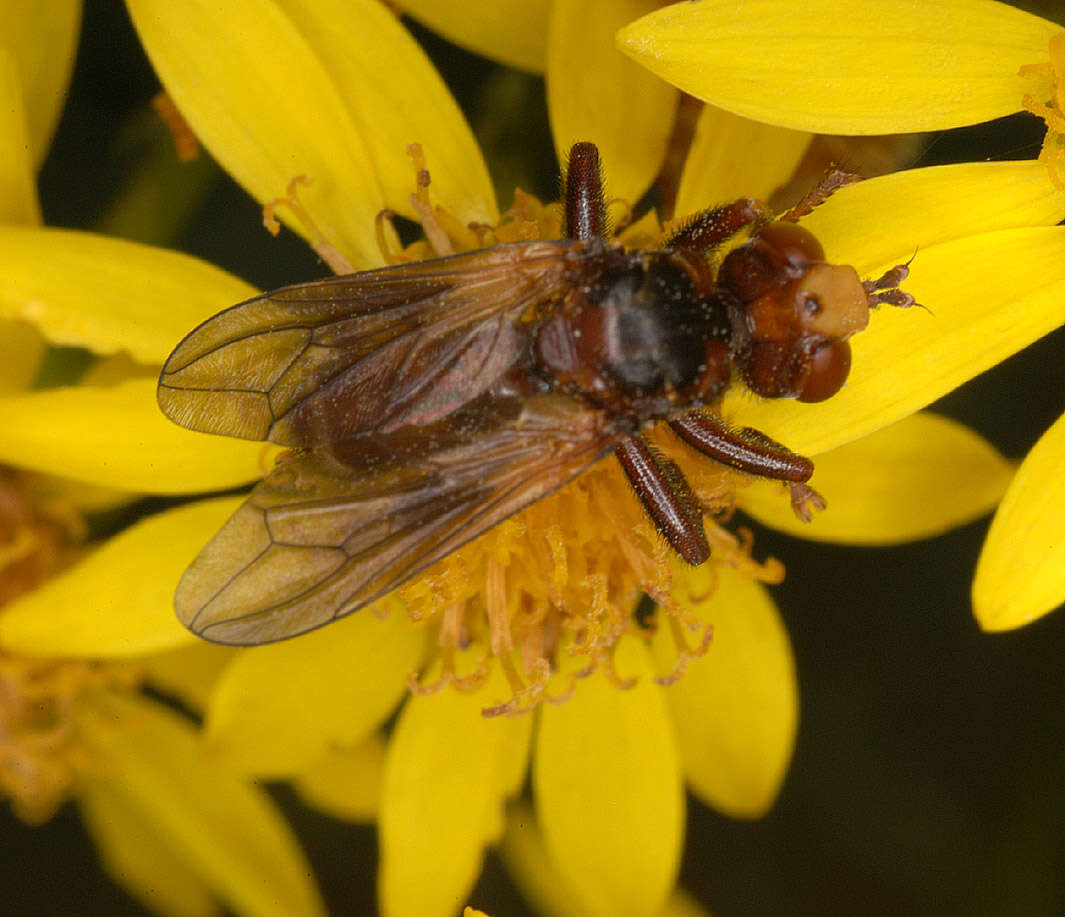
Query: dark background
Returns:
{"type": "Point", "coordinates": [929, 775]}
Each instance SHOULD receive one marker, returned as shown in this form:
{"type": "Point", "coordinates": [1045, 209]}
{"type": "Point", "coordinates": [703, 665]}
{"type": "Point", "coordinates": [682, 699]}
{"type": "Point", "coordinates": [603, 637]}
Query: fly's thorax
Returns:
{"type": "Point", "coordinates": [638, 337]}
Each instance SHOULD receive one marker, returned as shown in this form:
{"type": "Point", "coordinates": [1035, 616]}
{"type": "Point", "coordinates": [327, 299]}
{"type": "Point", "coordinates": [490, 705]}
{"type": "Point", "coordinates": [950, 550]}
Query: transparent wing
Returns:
{"type": "Point", "coordinates": [330, 530]}
{"type": "Point", "coordinates": [363, 353]}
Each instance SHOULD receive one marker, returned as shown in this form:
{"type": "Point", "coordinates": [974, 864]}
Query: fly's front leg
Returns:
{"type": "Point", "coordinates": [830, 183]}
{"type": "Point", "coordinates": [666, 496]}
{"type": "Point", "coordinates": [707, 229]}
{"type": "Point", "coordinates": [752, 452]}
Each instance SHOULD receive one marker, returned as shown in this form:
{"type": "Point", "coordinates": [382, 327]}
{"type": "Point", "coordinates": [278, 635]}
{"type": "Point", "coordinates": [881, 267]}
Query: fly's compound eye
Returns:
{"type": "Point", "coordinates": [825, 372]}
{"type": "Point", "coordinates": [792, 244]}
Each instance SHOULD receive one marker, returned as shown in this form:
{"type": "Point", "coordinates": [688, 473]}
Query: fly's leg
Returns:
{"type": "Point", "coordinates": [830, 183]}
{"type": "Point", "coordinates": [752, 452]}
{"type": "Point", "coordinates": [666, 496]}
{"type": "Point", "coordinates": [707, 229]}
{"type": "Point", "coordinates": [582, 197]}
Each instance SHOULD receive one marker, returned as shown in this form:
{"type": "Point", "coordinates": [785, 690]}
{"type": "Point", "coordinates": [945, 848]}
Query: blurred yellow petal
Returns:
{"type": "Point", "coordinates": [227, 831]}
{"type": "Point", "coordinates": [108, 294]}
{"type": "Point", "coordinates": [396, 97]}
{"type": "Point", "coordinates": [357, 678]}
{"type": "Point", "coordinates": [917, 478]}
{"type": "Point", "coordinates": [118, 601]}
{"type": "Point", "coordinates": [42, 38]}
{"type": "Point", "coordinates": [594, 93]}
{"type": "Point", "coordinates": [736, 709]}
{"type": "Point", "coordinates": [117, 437]}
{"type": "Point", "coordinates": [139, 858]}
{"type": "Point", "coordinates": [513, 32]}
{"type": "Point", "coordinates": [720, 166]}
{"type": "Point", "coordinates": [258, 95]}
{"type": "Point", "coordinates": [1021, 572]}
{"type": "Point", "coordinates": [891, 217]}
{"type": "Point", "coordinates": [529, 864]}
{"type": "Point", "coordinates": [346, 783]}
{"type": "Point", "coordinates": [18, 177]}
{"type": "Point", "coordinates": [988, 296]}
{"type": "Point", "coordinates": [871, 67]}
{"type": "Point", "coordinates": [681, 904]}
{"type": "Point", "coordinates": [116, 368]}
{"type": "Point", "coordinates": [609, 798]}
{"type": "Point", "coordinates": [189, 673]}
{"type": "Point", "coordinates": [21, 352]}
{"type": "Point", "coordinates": [448, 773]}
{"type": "Point", "coordinates": [86, 498]}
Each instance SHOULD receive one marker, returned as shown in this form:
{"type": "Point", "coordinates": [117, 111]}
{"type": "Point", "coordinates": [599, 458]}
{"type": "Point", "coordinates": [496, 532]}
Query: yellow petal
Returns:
{"type": "Point", "coordinates": [86, 498]}
{"type": "Point", "coordinates": [21, 352]}
{"type": "Point", "coordinates": [594, 93]}
{"type": "Point", "coordinates": [227, 831]}
{"type": "Point", "coordinates": [513, 32]}
{"type": "Point", "coordinates": [118, 601]}
{"type": "Point", "coordinates": [873, 67]}
{"type": "Point", "coordinates": [606, 778]}
{"type": "Point", "coordinates": [396, 97]}
{"type": "Point", "coordinates": [720, 166]}
{"type": "Point", "coordinates": [189, 673]}
{"type": "Point", "coordinates": [525, 855]}
{"type": "Point", "coordinates": [139, 858]}
{"type": "Point", "coordinates": [1021, 572]}
{"type": "Point", "coordinates": [891, 217]}
{"type": "Point", "coordinates": [736, 709]}
{"type": "Point", "coordinates": [332, 686]}
{"type": "Point", "coordinates": [346, 783]}
{"type": "Point", "coordinates": [682, 904]}
{"type": "Point", "coordinates": [258, 95]}
{"type": "Point", "coordinates": [988, 296]}
{"type": "Point", "coordinates": [42, 39]}
{"type": "Point", "coordinates": [18, 176]}
{"type": "Point", "coordinates": [917, 478]}
{"type": "Point", "coordinates": [449, 771]}
{"type": "Point", "coordinates": [108, 294]}
{"type": "Point", "coordinates": [117, 437]}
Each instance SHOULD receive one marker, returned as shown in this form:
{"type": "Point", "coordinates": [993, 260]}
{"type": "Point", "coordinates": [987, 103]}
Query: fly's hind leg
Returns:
{"type": "Point", "coordinates": [667, 497]}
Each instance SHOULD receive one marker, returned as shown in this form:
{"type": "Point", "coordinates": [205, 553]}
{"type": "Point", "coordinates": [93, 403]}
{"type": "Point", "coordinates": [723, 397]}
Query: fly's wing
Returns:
{"type": "Point", "coordinates": [332, 529]}
{"type": "Point", "coordinates": [362, 353]}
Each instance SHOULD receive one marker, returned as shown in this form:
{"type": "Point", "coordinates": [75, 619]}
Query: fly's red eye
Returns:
{"type": "Point", "coordinates": [794, 244]}
{"type": "Point", "coordinates": [825, 373]}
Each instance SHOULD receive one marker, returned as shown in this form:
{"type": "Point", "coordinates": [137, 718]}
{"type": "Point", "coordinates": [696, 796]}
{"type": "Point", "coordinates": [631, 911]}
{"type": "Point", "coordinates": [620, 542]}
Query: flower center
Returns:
{"type": "Point", "coordinates": [40, 754]}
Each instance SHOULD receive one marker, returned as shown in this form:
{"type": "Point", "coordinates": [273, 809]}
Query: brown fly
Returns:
{"type": "Point", "coordinates": [425, 403]}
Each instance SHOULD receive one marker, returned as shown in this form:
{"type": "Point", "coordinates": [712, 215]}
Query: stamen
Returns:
{"type": "Point", "coordinates": [1052, 111]}
{"type": "Point", "coordinates": [186, 145]}
{"type": "Point", "coordinates": [685, 654]}
{"type": "Point", "coordinates": [325, 249]}
{"type": "Point", "coordinates": [419, 200]}
{"type": "Point", "coordinates": [385, 231]}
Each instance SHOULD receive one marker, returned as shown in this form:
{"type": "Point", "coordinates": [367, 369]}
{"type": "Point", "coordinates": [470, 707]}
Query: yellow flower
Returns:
{"type": "Point", "coordinates": [174, 828]}
{"type": "Point", "coordinates": [336, 91]}
{"type": "Point", "coordinates": [934, 67]}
